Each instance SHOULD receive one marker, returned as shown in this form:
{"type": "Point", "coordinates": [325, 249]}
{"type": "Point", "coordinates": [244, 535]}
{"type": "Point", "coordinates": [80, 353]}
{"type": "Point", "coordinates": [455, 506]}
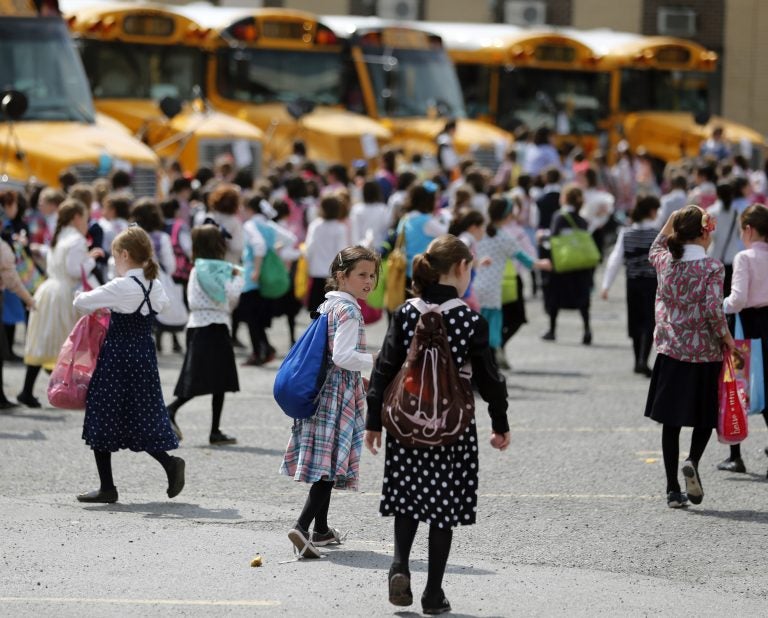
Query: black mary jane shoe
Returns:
{"type": "Point", "coordinates": [99, 496]}
{"type": "Point", "coordinates": [29, 400]}
{"type": "Point", "coordinates": [436, 605]}
{"type": "Point", "coordinates": [219, 438]}
{"type": "Point", "coordinates": [400, 587]}
{"type": "Point", "coordinates": [176, 477]}
{"type": "Point", "coordinates": [7, 404]}
{"type": "Point", "coordinates": [732, 465]}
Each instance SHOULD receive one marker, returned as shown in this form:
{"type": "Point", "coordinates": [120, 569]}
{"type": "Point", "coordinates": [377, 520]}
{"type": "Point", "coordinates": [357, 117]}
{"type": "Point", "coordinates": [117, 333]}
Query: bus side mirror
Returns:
{"type": "Point", "coordinates": [702, 118]}
{"type": "Point", "coordinates": [299, 107]}
{"type": "Point", "coordinates": [13, 104]}
{"type": "Point", "coordinates": [170, 106]}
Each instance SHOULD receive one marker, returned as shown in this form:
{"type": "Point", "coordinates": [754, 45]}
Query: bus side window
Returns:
{"type": "Point", "coordinates": [475, 84]}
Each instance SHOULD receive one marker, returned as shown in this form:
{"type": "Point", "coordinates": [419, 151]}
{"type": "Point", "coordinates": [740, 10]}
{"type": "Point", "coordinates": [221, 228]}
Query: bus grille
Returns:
{"type": "Point", "coordinates": [144, 179]}
{"type": "Point", "coordinates": [485, 156]}
{"type": "Point", "coordinates": [210, 149]}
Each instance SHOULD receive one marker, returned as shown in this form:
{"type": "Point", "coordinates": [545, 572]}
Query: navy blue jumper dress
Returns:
{"type": "Point", "coordinates": [124, 407]}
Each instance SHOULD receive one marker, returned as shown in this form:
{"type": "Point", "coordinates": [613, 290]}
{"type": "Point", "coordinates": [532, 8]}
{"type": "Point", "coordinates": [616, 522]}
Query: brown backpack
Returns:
{"type": "Point", "coordinates": [429, 402]}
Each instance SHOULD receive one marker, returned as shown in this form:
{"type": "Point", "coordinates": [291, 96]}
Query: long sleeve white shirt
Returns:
{"type": "Point", "coordinates": [203, 310]}
{"type": "Point", "coordinates": [345, 341]}
{"type": "Point", "coordinates": [123, 295]}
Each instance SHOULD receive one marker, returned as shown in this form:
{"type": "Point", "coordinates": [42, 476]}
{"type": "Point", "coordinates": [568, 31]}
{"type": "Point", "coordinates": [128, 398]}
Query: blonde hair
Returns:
{"type": "Point", "coordinates": [137, 243]}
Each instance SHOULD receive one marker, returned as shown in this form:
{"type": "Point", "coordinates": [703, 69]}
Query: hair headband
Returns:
{"type": "Point", "coordinates": [221, 228]}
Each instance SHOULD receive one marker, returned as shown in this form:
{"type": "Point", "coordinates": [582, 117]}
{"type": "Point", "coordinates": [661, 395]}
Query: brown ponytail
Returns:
{"type": "Point", "coordinates": [756, 217]}
{"type": "Point", "coordinates": [687, 226]}
{"type": "Point", "coordinates": [136, 242]}
{"type": "Point", "coordinates": [443, 253]}
{"type": "Point", "coordinates": [68, 210]}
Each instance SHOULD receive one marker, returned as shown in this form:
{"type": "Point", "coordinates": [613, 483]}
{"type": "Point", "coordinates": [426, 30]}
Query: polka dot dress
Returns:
{"type": "Point", "coordinates": [435, 485]}
{"type": "Point", "coordinates": [125, 407]}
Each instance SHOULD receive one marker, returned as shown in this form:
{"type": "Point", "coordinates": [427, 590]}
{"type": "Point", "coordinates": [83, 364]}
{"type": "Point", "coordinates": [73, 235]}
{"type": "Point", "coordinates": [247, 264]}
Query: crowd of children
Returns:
{"type": "Point", "coordinates": [695, 250]}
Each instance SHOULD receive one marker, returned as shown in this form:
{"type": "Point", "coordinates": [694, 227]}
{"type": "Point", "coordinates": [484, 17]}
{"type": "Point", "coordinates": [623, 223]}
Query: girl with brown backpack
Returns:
{"type": "Point", "coordinates": [431, 462]}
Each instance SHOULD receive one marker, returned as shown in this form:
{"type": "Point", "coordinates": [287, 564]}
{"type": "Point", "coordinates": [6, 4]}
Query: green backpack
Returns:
{"type": "Point", "coordinates": [274, 279]}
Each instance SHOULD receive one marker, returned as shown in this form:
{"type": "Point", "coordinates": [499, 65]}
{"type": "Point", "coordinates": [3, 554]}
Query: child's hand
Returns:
{"type": "Point", "coordinates": [372, 441]}
{"type": "Point", "coordinates": [486, 261]}
{"type": "Point", "coordinates": [729, 343]}
{"type": "Point", "coordinates": [543, 264]}
{"type": "Point", "coordinates": [499, 441]}
{"type": "Point", "coordinates": [97, 253]}
{"type": "Point", "coordinates": [604, 294]}
{"type": "Point", "coordinates": [255, 275]}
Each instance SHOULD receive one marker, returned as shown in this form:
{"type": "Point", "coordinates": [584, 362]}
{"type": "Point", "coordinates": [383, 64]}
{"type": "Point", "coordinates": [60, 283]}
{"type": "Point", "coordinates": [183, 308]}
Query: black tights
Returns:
{"type": "Point", "coordinates": [670, 446]}
{"type": "Point", "coordinates": [584, 311]}
{"type": "Point", "coordinates": [439, 549]}
{"type": "Point", "coordinates": [29, 379]}
{"type": "Point", "coordinates": [642, 344]}
{"type": "Point", "coordinates": [217, 405]}
{"type": "Point", "coordinates": [104, 466]}
{"type": "Point", "coordinates": [316, 507]}
{"type": "Point", "coordinates": [736, 448]}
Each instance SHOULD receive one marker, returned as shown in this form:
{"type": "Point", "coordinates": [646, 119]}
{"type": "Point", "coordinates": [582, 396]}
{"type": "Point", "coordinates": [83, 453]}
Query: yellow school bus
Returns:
{"type": "Point", "coordinates": [146, 68]}
{"type": "Point", "coordinates": [661, 95]}
{"type": "Point", "coordinates": [402, 76]}
{"type": "Point", "coordinates": [47, 119]}
{"type": "Point", "coordinates": [283, 72]}
{"type": "Point", "coordinates": [514, 76]}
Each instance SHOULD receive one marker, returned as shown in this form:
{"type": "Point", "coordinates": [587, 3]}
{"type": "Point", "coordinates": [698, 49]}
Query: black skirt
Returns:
{"type": "Point", "coordinates": [567, 290]}
{"type": "Point", "coordinates": [209, 363]}
{"type": "Point", "coordinates": [683, 394]}
{"type": "Point", "coordinates": [641, 306]}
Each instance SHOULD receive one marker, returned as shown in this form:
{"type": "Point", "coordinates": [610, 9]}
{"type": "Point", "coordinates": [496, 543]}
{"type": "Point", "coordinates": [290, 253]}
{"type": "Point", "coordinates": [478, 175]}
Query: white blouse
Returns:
{"type": "Point", "coordinates": [324, 240]}
{"type": "Point", "coordinates": [203, 310]}
{"type": "Point", "coordinates": [345, 340]}
{"type": "Point", "coordinates": [123, 295]}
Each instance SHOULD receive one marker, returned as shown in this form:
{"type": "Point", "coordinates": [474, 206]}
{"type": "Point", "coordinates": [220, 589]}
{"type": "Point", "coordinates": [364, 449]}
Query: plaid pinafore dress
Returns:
{"type": "Point", "coordinates": [328, 444]}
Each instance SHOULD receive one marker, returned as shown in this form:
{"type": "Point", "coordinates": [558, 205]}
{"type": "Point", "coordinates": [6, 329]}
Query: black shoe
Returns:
{"type": "Point", "coordinates": [236, 343]}
{"type": "Point", "coordinates": [732, 465]}
{"type": "Point", "coordinates": [220, 438]}
{"type": "Point", "coordinates": [400, 587]}
{"type": "Point", "coordinates": [29, 400]}
{"type": "Point", "coordinates": [766, 451]}
{"type": "Point", "coordinates": [693, 487]}
{"type": "Point", "coordinates": [436, 605]}
{"type": "Point", "coordinates": [644, 370]}
{"type": "Point", "coordinates": [548, 336]}
{"type": "Point", "coordinates": [253, 361]}
{"type": "Point", "coordinates": [176, 477]}
{"type": "Point", "coordinates": [15, 358]}
{"type": "Point", "coordinates": [676, 500]}
{"type": "Point", "coordinates": [7, 404]}
{"type": "Point", "coordinates": [587, 338]}
{"type": "Point", "coordinates": [102, 496]}
{"type": "Point", "coordinates": [177, 349]}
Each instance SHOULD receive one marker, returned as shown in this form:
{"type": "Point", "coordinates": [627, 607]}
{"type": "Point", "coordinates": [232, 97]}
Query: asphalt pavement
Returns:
{"type": "Point", "coordinates": [572, 519]}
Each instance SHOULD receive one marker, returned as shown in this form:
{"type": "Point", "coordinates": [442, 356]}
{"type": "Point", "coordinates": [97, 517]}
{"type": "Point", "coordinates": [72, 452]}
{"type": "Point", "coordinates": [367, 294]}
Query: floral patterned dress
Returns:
{"type": "Point", "coordinates": [690, 326]}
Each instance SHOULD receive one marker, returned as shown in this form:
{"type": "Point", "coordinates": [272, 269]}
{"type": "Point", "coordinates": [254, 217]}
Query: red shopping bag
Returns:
{"type": "Point", "coordinates": [68, 386]}
{"type": "Point", "coordinates": [732, 416]}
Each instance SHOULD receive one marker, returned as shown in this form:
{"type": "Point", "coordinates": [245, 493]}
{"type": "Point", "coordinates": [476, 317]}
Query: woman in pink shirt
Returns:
{"type": "Point", "coordinates": [749, 298]}
{"type": "Point", "coordinates": [690, 334]}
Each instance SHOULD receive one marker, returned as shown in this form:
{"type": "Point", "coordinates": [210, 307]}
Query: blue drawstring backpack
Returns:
{"type": "Point", "coordinates": [303, 372]}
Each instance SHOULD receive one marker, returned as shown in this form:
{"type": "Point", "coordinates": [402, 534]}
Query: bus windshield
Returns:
{"type": "Point", "coordinates": [569, 102]}
{"type": "Point", "coordinates": [38, 59]}
{"type": "Point", "coordinates": [128, 71]}
{"type": "Point", "coordinates": [410, 82]}
{"type": "Point", "coordinates": [272, 75]}
{"type": "Point", "coordinates": [673, 91]}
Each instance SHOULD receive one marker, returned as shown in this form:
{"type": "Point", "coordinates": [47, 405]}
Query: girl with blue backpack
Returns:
{"type": "Point", "coordinates": [324, 449]}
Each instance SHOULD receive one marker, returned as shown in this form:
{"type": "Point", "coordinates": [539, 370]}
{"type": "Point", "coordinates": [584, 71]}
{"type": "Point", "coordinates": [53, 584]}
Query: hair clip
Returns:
{"type": "Point", "coordinates": [341, 260]}
{"type": "Point", "coordinates": [708, 222]}
{"type": "Point", "coordinates": [221, 228]}
{"type": "Point", "coordinates": [133, 224]}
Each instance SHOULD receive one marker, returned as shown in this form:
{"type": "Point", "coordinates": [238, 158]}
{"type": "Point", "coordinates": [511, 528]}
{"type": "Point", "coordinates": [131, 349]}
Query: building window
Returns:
{"type": "Point", "coordinates": [676, 21]}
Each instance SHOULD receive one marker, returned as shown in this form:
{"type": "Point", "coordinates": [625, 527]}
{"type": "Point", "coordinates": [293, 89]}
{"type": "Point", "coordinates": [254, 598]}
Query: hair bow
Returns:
{"type": "Point", "coordinates": [222, 229]}
{"type": "Point", "coordinates": [430, 186]}
{"type": "Point", "coordinates": [708, 222]}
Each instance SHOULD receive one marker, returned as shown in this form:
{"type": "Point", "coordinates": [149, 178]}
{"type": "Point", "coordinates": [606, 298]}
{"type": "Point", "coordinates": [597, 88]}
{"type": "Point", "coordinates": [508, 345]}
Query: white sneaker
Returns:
{"type": "Point", "coordinates": [303, 547]}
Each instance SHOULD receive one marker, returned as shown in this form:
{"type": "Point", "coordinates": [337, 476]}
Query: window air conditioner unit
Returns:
{"type": "Point", "coordinates": [398, 9]}
{"type": "Point", "coordinates": [525, 12]}
{"type": "Point", "coordinates": [673, 21]}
